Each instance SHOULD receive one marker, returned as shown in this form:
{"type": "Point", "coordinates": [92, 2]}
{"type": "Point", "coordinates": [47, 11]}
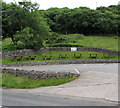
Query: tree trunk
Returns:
{"type": "Point", "coordinates": [15, 43]}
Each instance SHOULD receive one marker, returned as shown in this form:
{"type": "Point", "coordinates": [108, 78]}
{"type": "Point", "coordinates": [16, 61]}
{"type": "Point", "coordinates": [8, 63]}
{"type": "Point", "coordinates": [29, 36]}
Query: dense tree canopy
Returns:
{"type": "Point", "coordinates": [24, 22]}
{"type": "Point", "coordinates": [103, 20]}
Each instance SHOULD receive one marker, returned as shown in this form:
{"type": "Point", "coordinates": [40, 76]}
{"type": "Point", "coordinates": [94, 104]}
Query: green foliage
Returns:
{"type": "Point", "coordinates": [29, 38]}
{"type": "Point", "coordinates": [103, 20]}
{"type": "Point", "coordinates": [12, 81]}
{"type": "Point", "coordinates": [77, 36]}
{"type": "Point", "coordinates": [19, 16]}
{"type": "Point", "coordinates": [64, 45]}
{"type": "Point", "coordinates": [56, 38]}
{"type": "Point", "coordinates": [74, 37]}
{"type": "Point", "coordinates": [52, 38]}
{"type": "Point", "coordinates": [108, 42]}
{"type": "Point", "coordinates": [7, 45]}
{"type": "Point", "coordinates": [61, 40]}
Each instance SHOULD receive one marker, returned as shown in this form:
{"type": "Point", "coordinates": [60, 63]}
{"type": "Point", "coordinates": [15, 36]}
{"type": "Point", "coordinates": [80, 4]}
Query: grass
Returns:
{"type": "Point", "coordinates": [108, 42]}
{"type": "Point", "coordinates": [56, 54]}
{"type": "Point", "coordinates": [7, 45]}
{"type": "Point", "coordinates": [12, 81]}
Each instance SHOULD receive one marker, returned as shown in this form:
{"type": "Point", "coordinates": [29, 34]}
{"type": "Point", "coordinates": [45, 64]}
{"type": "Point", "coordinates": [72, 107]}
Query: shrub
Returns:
{"type": "Point", "coordinates": [53, 38]}
{"type": "Point", "coordinates": [29, 38]}
{"type": "Point", "coordinates": [60, 40]}
{"type": "Point", "coordinates": [64, 45]}
{"type": "Point", "coordinates": [76, 36]}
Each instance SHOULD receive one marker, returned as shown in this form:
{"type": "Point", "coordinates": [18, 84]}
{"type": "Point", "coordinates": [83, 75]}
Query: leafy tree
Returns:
{"type": "Point", "coordinates": [27, 37]}
{"type": "Point", "coordinates": [103, 20]}
{"type": "Point", "coordinates": [17, 17]}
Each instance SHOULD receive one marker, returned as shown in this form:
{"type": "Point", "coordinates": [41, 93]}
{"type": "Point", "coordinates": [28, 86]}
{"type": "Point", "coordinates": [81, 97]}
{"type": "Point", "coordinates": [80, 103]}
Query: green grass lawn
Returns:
{"type": "Point", "coordinates": [12, 81]}
{"type": "Point", "coordinates": [56, 54]}
{"type": "Point", "coordinates": [108, 42]}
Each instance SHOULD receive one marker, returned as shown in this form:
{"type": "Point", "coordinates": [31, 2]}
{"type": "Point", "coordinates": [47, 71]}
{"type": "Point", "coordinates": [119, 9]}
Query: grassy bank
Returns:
{"type": "Point", "coordinates": [55, 56]}
{"type": "Point", "coordinates": [108, 42]}
{"type": "Point", "coordinates": [12, 81]}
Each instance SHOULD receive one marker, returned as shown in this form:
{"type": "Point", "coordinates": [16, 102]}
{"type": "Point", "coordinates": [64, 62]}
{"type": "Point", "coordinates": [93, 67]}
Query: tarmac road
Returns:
{"type": "Point", "coordinates": [97, 86]}
{"type": "Point", "coordinates": [22, 98]}
{"type": "Point", "coordinates": [109, 68]}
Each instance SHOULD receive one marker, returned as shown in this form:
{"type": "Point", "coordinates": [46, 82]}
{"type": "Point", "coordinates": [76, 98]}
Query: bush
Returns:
{"type": "Point", "coordinates": [29, 38]}
{"type": "Point", "coordinates": [76, 36]}
{"type": "Point", "coordinates": [53, 38]}
{"type": "Point", "coordinates": [60, 40]}
{"type": "Point", "coordinates": [20, 46]}
{"type": "Point", "coordinates": [64, 45]}
{"type": "Point", "coordinates": [72, 38]}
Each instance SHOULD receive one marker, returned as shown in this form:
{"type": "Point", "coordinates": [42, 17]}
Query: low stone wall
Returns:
{"type": "Point", "coordinates": [59, 62]}
{"type": "Point", "coordinates": [26, 52]}
{"type": "Point", "coordinates": [23, 52]}
{"type": "Point", "coordinates": [38, 75]}
{"type": "Point", "coordinates": [93, 49]}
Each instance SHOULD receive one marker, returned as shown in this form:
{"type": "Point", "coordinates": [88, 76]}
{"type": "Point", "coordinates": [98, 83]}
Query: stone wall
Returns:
{"type": "Point", "coordinates": [59, 62]}
{"type": "Point", "coordinates": [25, 52]}
{"type": "Point", "coordinates": [93, 49]}
{"type": "Point", "coordinates": [38, 75]}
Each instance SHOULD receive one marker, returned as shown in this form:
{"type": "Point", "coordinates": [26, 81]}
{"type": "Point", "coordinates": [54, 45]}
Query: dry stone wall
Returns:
{"type": "Point", "coordinates": [59, 62]}
{"type": "Point", "coordinates": [26, 52]}
{"type": "Point", "coordinates": [23, 52]}
{"type": "Point", "coordinates": [38, 75]}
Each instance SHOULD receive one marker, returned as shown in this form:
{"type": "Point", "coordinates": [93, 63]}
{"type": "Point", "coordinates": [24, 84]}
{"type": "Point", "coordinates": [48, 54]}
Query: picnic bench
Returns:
{"type": "Point", "coordinates": [18, 58]}
{"type": "Point", "coordinates": [93, 56]}
{"type": "Point", "coordinates": [47, 58]}
{"type": "Point", "coordinates": [14, 58]}
{"type": "Point", "coordinates": [63, 56]}
{"type": "Point", "coordinates": [80, 56]}
{"type": "Point", "coordinates": [106, 56]}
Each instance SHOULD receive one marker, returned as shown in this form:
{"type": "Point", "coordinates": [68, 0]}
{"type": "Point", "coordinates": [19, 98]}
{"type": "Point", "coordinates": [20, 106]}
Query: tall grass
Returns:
{"type": "Point", "coordinates": [12, 81]}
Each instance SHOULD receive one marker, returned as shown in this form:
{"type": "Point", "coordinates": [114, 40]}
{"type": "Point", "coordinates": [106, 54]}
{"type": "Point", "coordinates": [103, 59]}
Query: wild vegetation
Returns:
{"type": "Point", "coordinates": [29, 27]}
{"type": "Point", "coordinates": [108, 42]}
{"type": "Point", "coordinates": [23, 23]}
{"type": "Point", "coordinates": [83, 20]}
{"type": "Point", "coordinates": [12, 81]}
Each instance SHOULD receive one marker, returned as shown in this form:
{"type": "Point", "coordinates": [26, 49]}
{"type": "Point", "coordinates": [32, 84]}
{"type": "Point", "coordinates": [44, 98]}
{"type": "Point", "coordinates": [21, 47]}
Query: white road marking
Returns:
{"type": "Point", "coordinates": [77, 71]}
{"type": "Point", "coordinates": [70, 64]}
{"type": "Point", "coordinates": [84, 64]}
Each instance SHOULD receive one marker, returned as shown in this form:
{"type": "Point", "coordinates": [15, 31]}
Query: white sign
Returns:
{"type": "Point", "coordinates": [73, 49]}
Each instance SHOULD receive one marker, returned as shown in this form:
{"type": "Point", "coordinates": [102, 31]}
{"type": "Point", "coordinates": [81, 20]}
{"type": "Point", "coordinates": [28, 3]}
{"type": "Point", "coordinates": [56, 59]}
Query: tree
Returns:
{"type": "Point", "coordinates": [103, 20]}
{"type": "Point", "coordinates": [21, 16]}
{"type": "Point", "coordinates": [27, 37]}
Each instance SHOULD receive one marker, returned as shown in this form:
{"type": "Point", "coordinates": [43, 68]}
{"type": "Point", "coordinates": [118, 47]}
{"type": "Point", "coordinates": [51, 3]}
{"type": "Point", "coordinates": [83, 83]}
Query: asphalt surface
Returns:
{"type": "Point", "coordinates": [109, 68]}
{"type": "Point", "coordinates": [22, 98]}
{"type": "Point", "coordinates": [97, 86]}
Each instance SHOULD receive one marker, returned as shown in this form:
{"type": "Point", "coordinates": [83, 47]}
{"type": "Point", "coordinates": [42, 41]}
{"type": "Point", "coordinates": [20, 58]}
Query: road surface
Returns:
{"type": "Point", "coordinates": [97, 86]}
